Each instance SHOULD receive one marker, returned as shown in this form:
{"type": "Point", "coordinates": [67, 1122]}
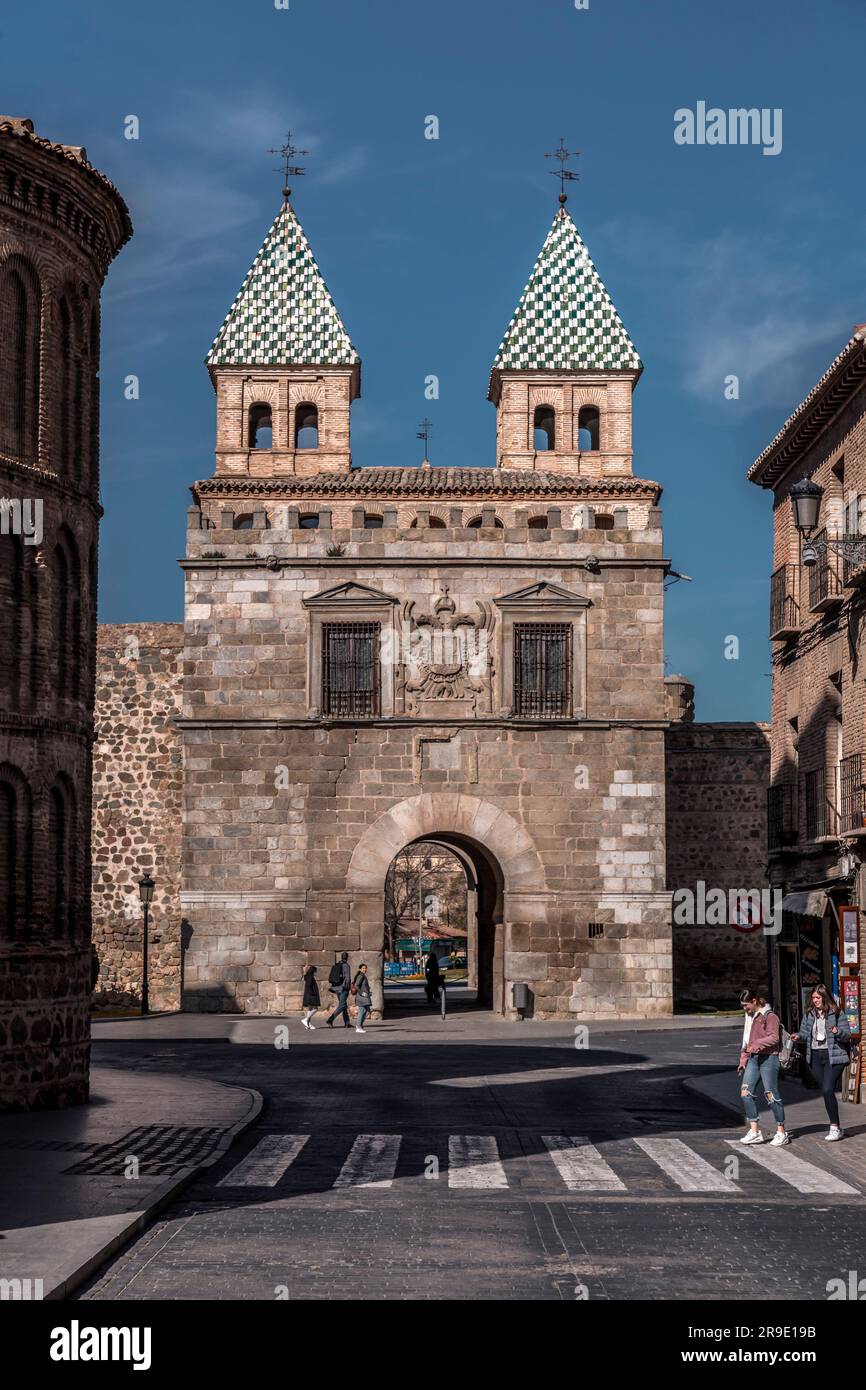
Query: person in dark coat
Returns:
{"type": "Point", "coordinates": [433, 977]}
{"type": "Point", "coordinates": [341, 975]}
{"type": "Point", "coordinates": [312, 999]}
{"type": "Point", "coordinates": [363, 997]}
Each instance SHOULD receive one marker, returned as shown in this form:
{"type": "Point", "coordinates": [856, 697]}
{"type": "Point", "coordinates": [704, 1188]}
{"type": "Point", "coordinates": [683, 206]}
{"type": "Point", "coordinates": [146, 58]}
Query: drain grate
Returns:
{"type": "Point", "coordinates": [159, 1149]}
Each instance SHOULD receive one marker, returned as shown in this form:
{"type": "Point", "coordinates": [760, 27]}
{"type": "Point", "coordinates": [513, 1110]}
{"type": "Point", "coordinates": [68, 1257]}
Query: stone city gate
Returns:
{"type": "Point", "coordinates": [506, 884]}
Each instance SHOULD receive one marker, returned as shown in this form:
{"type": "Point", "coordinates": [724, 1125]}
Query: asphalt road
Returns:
{"type": "Point", "coordinates": [488, 1162]}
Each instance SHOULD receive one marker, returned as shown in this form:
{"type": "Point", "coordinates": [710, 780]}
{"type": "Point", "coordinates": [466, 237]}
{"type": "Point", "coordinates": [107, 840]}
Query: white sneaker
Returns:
{"type": "Point", "coordinates": [751, 1137]}
{"type": "Point", "coordinates": [312, 1027]}
{"type": "Point", "coordinates": [305, 1023]}
{"type": "Point", "coordinates": [835, 1133]}
{"type": "Point", "coordinates": [780, 1137]}
{"type": "Point", "coordinates": [359, 1030]}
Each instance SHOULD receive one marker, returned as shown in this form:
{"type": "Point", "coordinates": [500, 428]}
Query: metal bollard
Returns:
{"type": "Point", "coordinates": [442, 994]}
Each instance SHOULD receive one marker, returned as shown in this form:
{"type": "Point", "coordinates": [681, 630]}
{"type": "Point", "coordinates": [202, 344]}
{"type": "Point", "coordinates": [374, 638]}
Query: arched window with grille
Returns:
{"type": "Point", "coordinates": [11, 614]}
{"type": "Point", "coordinates": [69, 443]}
{"type": "Point", "coordinates": [62, 887]}
{"type": "Point", "coordinates": [16, 851]}
{"type": "Point", "coordinates": [20, 333]}
{"type": "Point", "coordinates": [66, 619]}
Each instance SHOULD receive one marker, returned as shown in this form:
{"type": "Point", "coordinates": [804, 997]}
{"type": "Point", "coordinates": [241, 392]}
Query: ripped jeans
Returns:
{"type": "Point", "coordinates": [767, 1070]}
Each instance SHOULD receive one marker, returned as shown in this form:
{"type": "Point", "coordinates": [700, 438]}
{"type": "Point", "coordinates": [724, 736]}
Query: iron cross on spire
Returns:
{"type": "Point", "coordinates": [424, 433]}
{"type": "Point", "coordinates": [563, 174]}
{"type": "Point", "coordinates": [288, 152]}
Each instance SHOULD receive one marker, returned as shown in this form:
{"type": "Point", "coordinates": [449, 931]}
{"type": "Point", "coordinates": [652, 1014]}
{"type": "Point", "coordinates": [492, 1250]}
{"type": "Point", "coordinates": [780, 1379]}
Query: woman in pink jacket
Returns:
{"type": "Point", "coordinates": [759, 1061]}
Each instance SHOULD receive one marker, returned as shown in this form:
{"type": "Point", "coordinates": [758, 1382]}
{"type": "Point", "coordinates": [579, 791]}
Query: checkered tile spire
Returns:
{"type": "Point", "coordinates": [565, 320]}
{"type": "Point", "coordinates": [283, 313]}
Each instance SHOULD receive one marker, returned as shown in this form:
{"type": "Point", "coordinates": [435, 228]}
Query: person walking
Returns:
{"type": "Point", "coordinates": [363, 997]}
{"type": "Point", "coordinates": [827, 1035]}
{"type": "Point", "coordinates": [759, 1061]}
{"type": "Point", "coordinates": [340, 980]}
{"type": "Point", "coordinates": [433, 978]}
{"type": "Point", "coordinates": [312, 999]}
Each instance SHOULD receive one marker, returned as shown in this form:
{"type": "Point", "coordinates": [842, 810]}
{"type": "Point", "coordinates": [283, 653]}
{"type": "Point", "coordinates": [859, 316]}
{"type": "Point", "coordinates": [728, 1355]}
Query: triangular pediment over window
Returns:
{"type": "Point", "coordinates": [349, 594]}
{"type": "Point", "coordinates": [543, 593]}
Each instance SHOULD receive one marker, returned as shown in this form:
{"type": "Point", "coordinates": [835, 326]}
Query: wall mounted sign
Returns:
{"type": "Point", "coordinates": [851, 1002]}
{"type": "Point", "coordinates": [849, 923]}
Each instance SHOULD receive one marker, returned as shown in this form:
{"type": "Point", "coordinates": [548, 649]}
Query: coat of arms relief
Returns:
{"type": "Point", "coordinates": [447, 659]}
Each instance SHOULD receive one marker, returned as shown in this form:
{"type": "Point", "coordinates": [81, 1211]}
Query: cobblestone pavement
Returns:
{"type": "Point", "coordinates": [497, 1170]}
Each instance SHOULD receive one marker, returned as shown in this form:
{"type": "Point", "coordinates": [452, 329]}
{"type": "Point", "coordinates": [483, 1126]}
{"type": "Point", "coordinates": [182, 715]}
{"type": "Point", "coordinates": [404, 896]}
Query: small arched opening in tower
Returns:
{"type": "Point", "coordinates": [587, 429]}
{"type": "Point", "coordinates": [544, 429]}
{"type": "Point", "coordinates": [306, 426]}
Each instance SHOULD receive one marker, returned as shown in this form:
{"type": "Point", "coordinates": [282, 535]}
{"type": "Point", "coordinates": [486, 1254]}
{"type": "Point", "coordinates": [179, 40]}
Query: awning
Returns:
{"type": "Point", "coordinates": [812, 903]}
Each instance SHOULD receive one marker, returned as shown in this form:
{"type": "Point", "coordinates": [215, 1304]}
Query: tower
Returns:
{"type": "Point", "coordinates": [563, 377]}
{"type": "Point", "coordinates": [283, 367]}
{"type": "Point", "coordinates": [61, 224]}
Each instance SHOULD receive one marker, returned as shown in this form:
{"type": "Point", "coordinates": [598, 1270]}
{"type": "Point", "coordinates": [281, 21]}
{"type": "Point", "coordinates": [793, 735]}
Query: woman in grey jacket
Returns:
{"type": "Point", "coordinates": [827, 1035]}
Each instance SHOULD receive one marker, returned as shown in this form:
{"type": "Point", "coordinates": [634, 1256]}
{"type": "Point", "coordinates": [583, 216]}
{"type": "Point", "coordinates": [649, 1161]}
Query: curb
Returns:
{"type": "Point", "coordinates": [68, 1281]}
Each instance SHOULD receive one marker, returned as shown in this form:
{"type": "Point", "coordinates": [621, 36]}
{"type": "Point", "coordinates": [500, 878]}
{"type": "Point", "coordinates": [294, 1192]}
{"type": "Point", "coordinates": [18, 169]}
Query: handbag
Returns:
{"type": "Point", "coordinates": [788, 1050]}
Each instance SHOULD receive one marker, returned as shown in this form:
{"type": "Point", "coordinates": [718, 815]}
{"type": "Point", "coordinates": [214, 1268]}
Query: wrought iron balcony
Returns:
{"type": "Point", "coordinates": [853, 560]}
{"type": "Point", "coordinates": [784, 603]}
{"type": "Point", "coordinates": [781, 816]}
{"type": "Point", "coordinates": [825, 577]}
{"type": "Point", "coordinates": [822, 815]}
{"type": "Point", "coordinates": [853, 805]}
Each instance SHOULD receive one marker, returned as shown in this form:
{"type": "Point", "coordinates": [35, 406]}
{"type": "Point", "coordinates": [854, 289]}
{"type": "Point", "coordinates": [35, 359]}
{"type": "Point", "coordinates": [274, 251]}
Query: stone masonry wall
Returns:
{"type": "Point", "coordinates": [291, 818]}
{"type": "Point", "coordinates": [716, 785]}
{"type": "Point", "coordinates": [137, 811]}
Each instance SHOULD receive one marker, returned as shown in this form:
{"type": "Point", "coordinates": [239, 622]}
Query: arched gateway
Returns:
{"type": "Point", "coordinates": [501, 863]}
{"type": "Point", "coordinates": [483, 669]}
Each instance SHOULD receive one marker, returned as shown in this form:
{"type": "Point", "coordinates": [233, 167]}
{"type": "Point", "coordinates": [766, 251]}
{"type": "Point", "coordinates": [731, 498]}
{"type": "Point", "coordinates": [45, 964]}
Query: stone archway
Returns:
{"type": "Point", "coordinates": [483, 830]}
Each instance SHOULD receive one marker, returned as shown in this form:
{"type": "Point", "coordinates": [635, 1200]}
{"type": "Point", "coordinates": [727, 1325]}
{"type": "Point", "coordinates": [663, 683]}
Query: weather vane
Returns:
{"type": "Point", "coordinates": [563, 174]}
{"type": "Point", "coordinates": [288, 152]}
{"type": "Point", "coordinates": [424, 433]}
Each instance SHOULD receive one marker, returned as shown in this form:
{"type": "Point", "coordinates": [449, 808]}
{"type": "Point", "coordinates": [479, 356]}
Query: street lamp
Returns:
{"type": "Point", "coordinates": [146, 886]}
{"type": "Point", "coordinates": [806, 507]}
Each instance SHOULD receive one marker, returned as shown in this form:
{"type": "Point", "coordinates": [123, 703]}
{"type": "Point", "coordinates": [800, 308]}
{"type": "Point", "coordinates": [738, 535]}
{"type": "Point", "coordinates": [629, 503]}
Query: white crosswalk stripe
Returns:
{"type": "Point", "coordinates": [580, 1165]}
{"type": "Point", "coordinates": [372, 1161]}
{"type": "Point", "coordinates": [795, 1171]}
{"type": "Point", "coordinates": [473, 1161]}
{"type": "Point", "coordinates": [475, 1164]}
{"type": "Point", "coordinates": [267, 1162]}
{"type": "Point", "coordinates": [688, 1170]}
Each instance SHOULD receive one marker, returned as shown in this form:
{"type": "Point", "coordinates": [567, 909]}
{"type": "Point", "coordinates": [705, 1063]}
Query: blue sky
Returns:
{"type": "Point", "coordinates": [720, 259]}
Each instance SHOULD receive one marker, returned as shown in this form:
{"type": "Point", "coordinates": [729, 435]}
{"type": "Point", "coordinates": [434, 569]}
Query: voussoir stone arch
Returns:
{"type": "Point", "coordinates": [445, 813]}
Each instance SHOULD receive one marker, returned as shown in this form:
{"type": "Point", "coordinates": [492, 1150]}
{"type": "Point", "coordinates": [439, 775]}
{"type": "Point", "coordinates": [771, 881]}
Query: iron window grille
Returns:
{"type": "Point", "coordinates": [822, 817]}
{"type": "Point", "coordinates": [825, 577]}
{"type": "Point", "coordinates": [784, 608]}
{"type": "Point", "coordinates": [851, 789]}
{"type": "Point", "coordinates": [781, 816]}
{"type": "Point", "coordinates": [350, 670]}
{"type": "Point", "coordinates": [542, 670]}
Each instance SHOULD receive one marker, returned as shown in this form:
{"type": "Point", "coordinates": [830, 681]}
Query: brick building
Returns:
{"type": "Point", "coordinates": [816, 819]}
{"type": "Point", "coordinates": [377, 657]}
{"type": "Point", "coordinates": [61, 224]}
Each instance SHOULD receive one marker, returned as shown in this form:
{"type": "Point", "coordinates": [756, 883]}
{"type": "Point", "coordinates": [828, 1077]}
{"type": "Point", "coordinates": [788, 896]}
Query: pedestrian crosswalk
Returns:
{"type": "Point", "coordinates": [487, 1163]}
